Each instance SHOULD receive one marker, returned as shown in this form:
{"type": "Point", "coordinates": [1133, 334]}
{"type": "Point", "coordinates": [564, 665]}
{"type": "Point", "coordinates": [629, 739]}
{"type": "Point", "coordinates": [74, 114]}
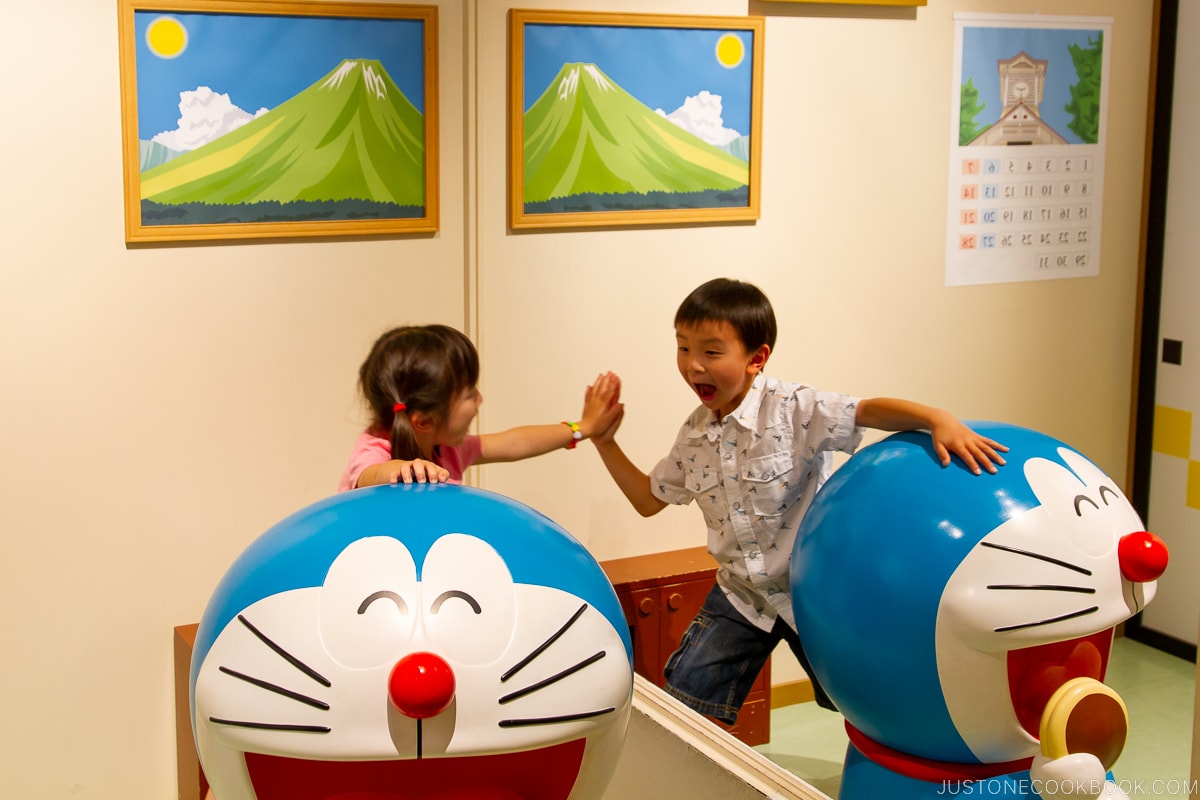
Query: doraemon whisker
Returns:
{"type": "Point", "coordinates": [516, 723]}
{"type": "Point", "coordinates": [271, 687]}
{"type": "Point", "coordinates": [1043, 587]}
{"type": "Point", "coordinates": [537, 651]}
{"type": "Point", "coordinates": [270, 726]}
{"type": "Point", "coordinates": [1051, 621]}
{"type": "Point", "coordinates": [1038, 556]}
{"type": "Point", "coordinates": [553, 678]}
{"type": "Point", "coordinates": [285, 655]}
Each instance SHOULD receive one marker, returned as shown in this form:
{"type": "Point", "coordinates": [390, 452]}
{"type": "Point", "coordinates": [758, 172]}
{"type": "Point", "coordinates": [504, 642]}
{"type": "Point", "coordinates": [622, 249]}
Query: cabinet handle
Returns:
{"type": "Point", "coordinates": [646, 606]}
{"type": "Point", "coordinates": [674, 601]}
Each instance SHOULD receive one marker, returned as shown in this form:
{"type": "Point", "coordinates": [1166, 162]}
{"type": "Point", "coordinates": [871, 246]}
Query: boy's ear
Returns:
{"type": "Point", "coordinates": [758, 359]}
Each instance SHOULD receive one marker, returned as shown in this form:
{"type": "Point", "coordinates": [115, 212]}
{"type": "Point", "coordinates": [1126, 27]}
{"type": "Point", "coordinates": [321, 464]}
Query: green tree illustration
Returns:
{"type": "Point", "coordinates": [1085, 94]}
{"type": "Point", "coordinates": [969, 108]}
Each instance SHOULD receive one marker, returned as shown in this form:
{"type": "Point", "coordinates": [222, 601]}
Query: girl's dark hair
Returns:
{"type": "Point", "coordinates": [423, 366]}
{"type": "Point", "coordinates": [742, 305]}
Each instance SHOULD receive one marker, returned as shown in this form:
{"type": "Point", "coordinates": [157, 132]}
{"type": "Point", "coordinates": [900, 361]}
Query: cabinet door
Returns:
{"type": "Point", "coordinates": [680, 603]}
{"type": "Point", "coordinates": [643, 611]}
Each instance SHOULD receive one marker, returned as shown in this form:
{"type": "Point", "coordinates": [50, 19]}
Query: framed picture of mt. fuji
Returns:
{"type": "Point", "coordinates": [270, 119]}
{"type": "Point", "coordinates": [633, 119]}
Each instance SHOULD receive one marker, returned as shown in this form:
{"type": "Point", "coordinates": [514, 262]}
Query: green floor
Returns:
{"type": "Point", "coordinates": [1158, 689]}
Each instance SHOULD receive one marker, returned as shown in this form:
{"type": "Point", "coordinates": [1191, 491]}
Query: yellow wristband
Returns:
{"type": "Point", "coordinates": [576, 434]}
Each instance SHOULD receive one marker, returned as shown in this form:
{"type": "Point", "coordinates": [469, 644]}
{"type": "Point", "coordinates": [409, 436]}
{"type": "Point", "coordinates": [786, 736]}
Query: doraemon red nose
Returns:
{"type": "Point", "coordinates": [421, 685]}
{"type": "Point", "coordinates": [1143, 556]}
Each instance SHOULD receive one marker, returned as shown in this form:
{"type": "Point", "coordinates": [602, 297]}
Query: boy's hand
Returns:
{"type": "Point", "coordinates": [951, 436]}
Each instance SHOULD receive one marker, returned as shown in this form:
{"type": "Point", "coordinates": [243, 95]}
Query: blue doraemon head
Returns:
{"type": "Point", "coordinates": [940, 608]}
{"type": "Point", "coordinates": [445, 636]}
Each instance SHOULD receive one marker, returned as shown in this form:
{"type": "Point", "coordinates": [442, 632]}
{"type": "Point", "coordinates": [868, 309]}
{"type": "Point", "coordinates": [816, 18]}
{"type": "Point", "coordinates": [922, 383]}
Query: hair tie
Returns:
{"type": "Point", "coordinates": [399, 407]}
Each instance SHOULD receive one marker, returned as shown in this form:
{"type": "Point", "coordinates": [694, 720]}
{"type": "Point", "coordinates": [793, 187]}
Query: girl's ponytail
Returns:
{"type": "Point", "coordinates": [404, 441]}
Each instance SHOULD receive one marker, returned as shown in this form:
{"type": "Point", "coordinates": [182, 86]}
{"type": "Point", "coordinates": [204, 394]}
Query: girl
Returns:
{"type": "Point", "coordinates": [420, 385]}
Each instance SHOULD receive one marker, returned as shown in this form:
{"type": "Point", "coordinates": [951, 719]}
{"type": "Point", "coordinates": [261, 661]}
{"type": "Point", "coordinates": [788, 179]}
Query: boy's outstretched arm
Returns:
{"type": "Point", "coordinates": [950, 435]}
{"type": "Point", "coordinates": [633, 483]}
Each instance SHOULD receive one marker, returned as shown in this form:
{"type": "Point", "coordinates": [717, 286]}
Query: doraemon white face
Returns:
{"type": "Point", "coordinates": [1034, 605]}
{"type": "Point", "coordinates": [398, 677]}
{"type": "Point", "coordinates": [942, 610]}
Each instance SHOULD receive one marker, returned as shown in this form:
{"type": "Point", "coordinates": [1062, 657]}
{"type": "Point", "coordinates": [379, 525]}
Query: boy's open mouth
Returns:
{"type": "Point", "coordinates": [706, 391]}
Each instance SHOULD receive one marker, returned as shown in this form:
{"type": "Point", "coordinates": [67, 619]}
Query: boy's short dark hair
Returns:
{"type": "Point", "coordinates": [743, 305]}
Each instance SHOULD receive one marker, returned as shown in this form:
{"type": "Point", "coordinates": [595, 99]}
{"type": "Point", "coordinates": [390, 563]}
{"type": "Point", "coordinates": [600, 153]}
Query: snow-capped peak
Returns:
{"type": "Point", "coordinates": [570, 81]}
{"type": "Point", "coordinates": [373, 79]}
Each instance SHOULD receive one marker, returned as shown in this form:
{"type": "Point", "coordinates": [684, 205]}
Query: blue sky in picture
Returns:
{"type": "Point", "coordinates": [982, 47]}
{"type": "Point", "coordinates": [261, 61]}
{"type": "Point", "coordinates": [661, 67]}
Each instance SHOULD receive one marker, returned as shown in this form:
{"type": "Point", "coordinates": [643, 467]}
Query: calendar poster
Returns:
{"type": "Point", "coordinates": [1027, 147]}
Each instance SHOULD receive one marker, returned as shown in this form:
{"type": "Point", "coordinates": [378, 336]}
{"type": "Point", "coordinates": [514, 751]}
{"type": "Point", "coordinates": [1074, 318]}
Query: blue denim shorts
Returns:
{"type": "Point", "coordinates": [721, 654]}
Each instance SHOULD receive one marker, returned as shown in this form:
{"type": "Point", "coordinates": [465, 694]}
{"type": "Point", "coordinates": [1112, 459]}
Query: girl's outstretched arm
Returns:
{"type": "Point", "coordinates": [600, 408]}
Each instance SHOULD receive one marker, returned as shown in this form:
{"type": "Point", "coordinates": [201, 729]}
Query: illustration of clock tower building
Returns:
{"type": "Point", "coordinates": [1022, 84]}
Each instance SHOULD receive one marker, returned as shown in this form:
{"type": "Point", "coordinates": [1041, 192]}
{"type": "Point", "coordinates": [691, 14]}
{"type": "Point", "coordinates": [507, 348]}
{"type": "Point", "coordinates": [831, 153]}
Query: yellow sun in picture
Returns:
{"type": "Point", "coordinates": [166, 37]}
{"type": "Point", "coordinates": [730, 50]}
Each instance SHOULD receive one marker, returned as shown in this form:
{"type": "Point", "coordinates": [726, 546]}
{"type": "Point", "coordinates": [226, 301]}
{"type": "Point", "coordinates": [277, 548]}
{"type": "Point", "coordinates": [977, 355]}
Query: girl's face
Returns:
{"type": "Point", "coordinates": [454, 428]}
{"type": "Point", "coordinates": [715, 363]}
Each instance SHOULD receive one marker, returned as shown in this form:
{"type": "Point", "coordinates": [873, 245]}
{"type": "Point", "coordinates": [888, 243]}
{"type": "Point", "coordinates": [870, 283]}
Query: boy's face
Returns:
{"type": "Point", "coordinates": [715, 363]}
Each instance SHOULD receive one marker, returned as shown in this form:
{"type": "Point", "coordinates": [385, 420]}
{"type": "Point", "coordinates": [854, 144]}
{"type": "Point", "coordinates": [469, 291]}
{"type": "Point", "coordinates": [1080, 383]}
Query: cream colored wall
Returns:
{"type": "Point", "coordinates": [164, 405]}
{"type": "Point", "coordinates": [850, 248]}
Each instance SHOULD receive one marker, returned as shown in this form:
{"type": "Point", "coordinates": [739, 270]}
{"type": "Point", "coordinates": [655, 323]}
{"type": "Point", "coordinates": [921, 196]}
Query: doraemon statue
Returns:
{"type": "Point", "coordinates": [400, 642]}
{"type": "Point", "coordinates": [963, 623]}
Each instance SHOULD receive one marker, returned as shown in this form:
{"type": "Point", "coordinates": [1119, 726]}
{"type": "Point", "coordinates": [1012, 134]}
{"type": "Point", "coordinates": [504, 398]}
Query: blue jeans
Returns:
{"type": "Point", "coordinates": [721, 654]}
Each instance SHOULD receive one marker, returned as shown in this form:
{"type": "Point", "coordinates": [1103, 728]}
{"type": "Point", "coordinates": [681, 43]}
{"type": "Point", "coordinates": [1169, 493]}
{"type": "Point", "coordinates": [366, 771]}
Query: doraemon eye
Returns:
{"type": "Point", "coordinates": [1106, 492]}
{"type": "Point", "coordinates": [373, 596]}
{"type": "Point", "coordinates": [367, 601]}
{"type": "Point", "coordinates": [450, 595]}
{"type": "Point", "coordinates": [471, 599]}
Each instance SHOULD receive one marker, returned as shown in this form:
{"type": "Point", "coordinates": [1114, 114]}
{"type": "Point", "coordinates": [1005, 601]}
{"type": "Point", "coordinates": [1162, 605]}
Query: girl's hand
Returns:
{"type": "Point", "coordinates": [601, 406]}
{"type": "Point", "coordinates": [416, 471]}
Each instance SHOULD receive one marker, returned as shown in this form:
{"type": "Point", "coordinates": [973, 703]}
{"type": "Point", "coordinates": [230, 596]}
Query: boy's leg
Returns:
{"type": "Point", "coordinates": [719, 657]}
{"type": "Point", "coordinates": [793, 639]}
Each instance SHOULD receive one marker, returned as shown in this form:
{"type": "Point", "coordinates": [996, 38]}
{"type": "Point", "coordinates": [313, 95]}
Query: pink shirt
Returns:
{"type": "Point", "coordinates": [370, 449]}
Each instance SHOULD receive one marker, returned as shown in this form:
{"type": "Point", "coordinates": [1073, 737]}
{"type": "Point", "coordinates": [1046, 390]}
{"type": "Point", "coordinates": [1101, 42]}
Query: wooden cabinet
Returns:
{"type": "Point", "coordinates": [660, 594]}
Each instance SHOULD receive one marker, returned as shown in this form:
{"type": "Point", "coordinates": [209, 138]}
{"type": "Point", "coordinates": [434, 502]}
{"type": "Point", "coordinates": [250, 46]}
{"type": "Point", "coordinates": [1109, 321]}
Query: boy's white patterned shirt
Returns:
{"type": "Point", "coordinates": [754, 475]}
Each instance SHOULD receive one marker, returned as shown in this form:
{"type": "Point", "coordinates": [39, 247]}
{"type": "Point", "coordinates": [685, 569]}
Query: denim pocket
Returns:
{"type": "Point", "coordinates": [687, 641]}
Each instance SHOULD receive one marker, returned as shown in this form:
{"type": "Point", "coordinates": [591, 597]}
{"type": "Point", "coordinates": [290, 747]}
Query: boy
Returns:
{"type": "Point", "coordinates": [753, 456]}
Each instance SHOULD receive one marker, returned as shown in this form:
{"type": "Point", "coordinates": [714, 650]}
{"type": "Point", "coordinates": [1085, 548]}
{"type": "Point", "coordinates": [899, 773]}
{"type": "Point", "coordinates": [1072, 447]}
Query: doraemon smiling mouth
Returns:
{"type": "Point", "coordinates": [409, 643]}
{"type": "Point", "coordinates": [950, 615]}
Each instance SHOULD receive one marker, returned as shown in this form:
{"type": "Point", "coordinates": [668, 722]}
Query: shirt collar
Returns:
{"type": "Point", "coordinates": [706, 424]}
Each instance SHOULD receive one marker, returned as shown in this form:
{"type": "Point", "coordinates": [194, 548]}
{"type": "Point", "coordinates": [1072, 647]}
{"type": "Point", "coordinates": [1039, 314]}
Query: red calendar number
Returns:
{"type": "Point", "coordinates": [970, 166]}
{"type": "Point", "coordinates": [967, 242]}
{"type": "Point", "coordinates": [970, 191]}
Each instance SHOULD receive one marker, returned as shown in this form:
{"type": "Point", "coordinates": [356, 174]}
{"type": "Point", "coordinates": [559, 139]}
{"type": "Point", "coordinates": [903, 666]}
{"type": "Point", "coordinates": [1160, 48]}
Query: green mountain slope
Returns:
{"type": "Point", "coordinates": [587, 134]}
{"type": "Point", "coordinates": [352, 135]}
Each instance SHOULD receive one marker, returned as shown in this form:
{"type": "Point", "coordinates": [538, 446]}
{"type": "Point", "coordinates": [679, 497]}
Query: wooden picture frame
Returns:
{"type": "Point", "coordinates": [633, 119]}
{"type": "Point", "coordinates": [267, 119]}
{"type": "Point", "coordinates": [858, 2]}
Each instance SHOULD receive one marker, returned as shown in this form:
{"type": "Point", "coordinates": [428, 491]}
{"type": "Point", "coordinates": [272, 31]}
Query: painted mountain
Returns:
{"type": "Point", "coordinates": [590, 141]}
{"type": "Point", "coordinates": [349, 146]}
